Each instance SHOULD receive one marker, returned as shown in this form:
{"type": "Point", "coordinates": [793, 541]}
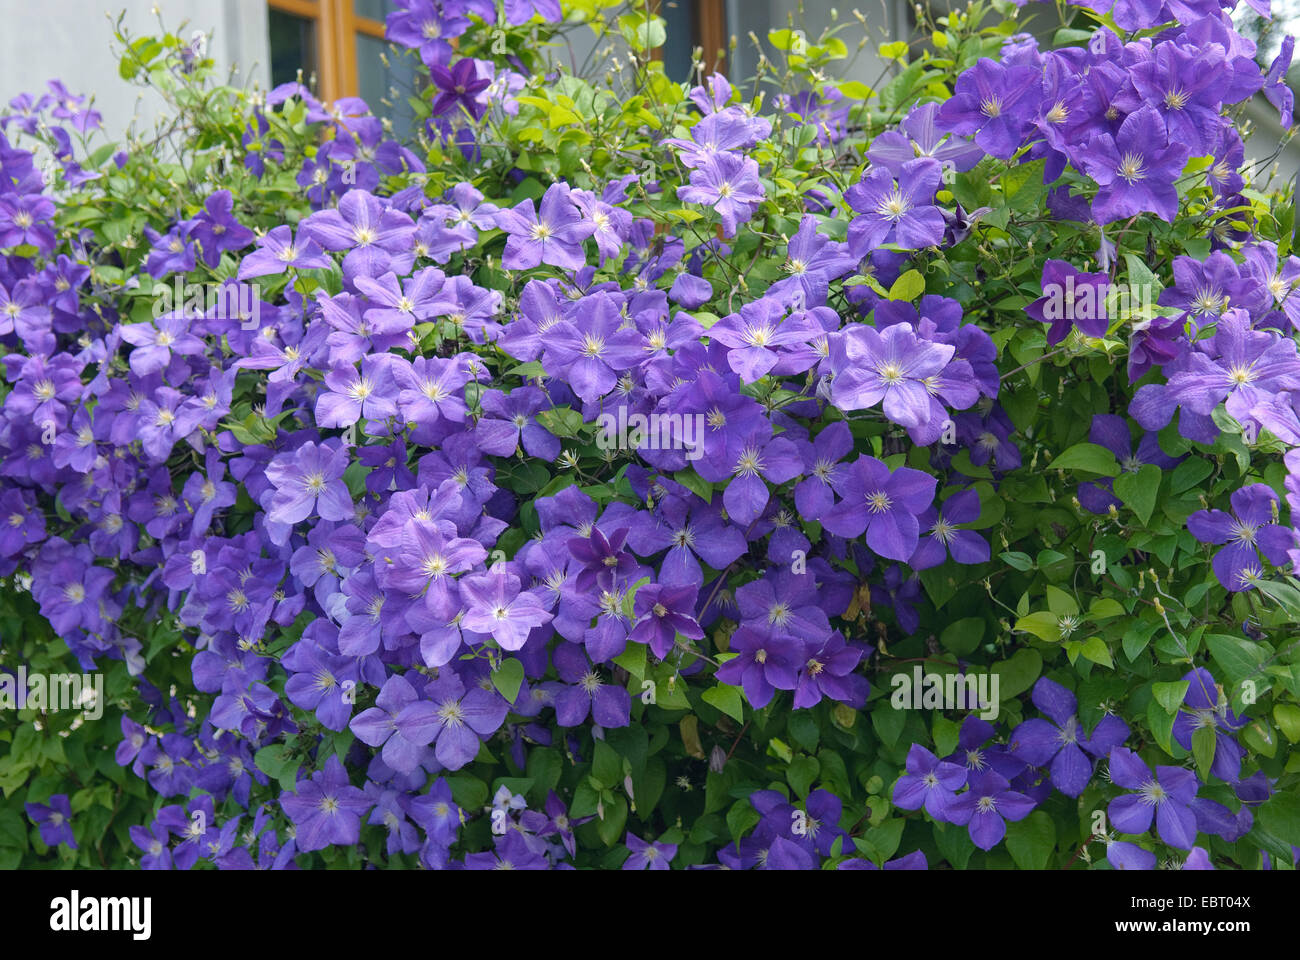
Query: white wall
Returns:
{"type": "Point", "coordinates": [71, 40]}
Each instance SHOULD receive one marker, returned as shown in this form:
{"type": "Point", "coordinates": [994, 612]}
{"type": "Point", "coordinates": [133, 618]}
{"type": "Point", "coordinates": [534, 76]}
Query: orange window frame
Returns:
{"type": "Point", "coordinates": [337, 28]}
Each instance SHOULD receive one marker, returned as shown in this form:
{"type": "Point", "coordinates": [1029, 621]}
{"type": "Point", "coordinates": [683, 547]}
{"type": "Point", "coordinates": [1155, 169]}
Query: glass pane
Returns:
{"type": "Point", "coordinates": [374, 9]}
{"type": "Point", "coordinates": [394, 83]}
{"type": "Point", "coordinates": [293, 46]}
{"type": "Point", "coordinates": [680, 18]}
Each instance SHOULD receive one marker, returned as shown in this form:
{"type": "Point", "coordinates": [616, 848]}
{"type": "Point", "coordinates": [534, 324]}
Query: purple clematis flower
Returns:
{"type": "Point", "coordinates": [766, 661]}
{"type": "Point", "coordinates": [458, 85]}
{"type": "Point", "coordinates": [1136, 168]}
{"type": "Point", "coordinates": [729, 183]}
{"type": "Point", "coordinates": [1071, 299]}
{"type": "Point", "coordinates": [992, 101]}
{"type": "Point", "coordinates": [1166, 797]}
{"type": "Point", "coordinates": [550, 233]}
{"type": "Point", "coordinates": [217, 230]}
{"type": "Point", "coordinates": [898, 211]}
{"type": "Point", "coordinates": [893, 367]}
{"type": "Point", "coordinates": [1248, 530]}
{"type": "Point", "coordinates": [929, 782]}
{"type": "Point", "coordinates": [461, 718]}
{"type": "Point", "coordinates": [883, 504]}
{"type": "Point", "coordinates": [584, 694]}
{"type": "Point", "coordinates": [754, 335]}
{"type": "Point", "coordinates": [1205, 707]}
{"type": "Point", "coordinates": [497, 605]}
{"type": "Point", "coordinates": [648, 856]}
{"type": "Point", "coordinates": [326, 809]}
{"type": "Point", "coordinates": [1061, 742]}
{"type": "Point", "coordinates": [986, 806]}
{"type": "Point", "coordinates": [400, 722]}
{"type": "Point", "coordinates": [664, 611]}
{"type": "Point", "coordinates": [1276, 89]}
{"type": "Point", "coordinates": [377, 237]}
{"type": "Point", "coordinates": [54, 820]}
{"type": "Point", "coordinates": [918, 135]}
{"type": "Point", "coordinates": [943, 538]}
{"type": "Point", "coordinates": [277, 252]}
{"type": "Point", "coordinates": [310, 480]}
{"type": "Point", "coordinates": [1112, 432]}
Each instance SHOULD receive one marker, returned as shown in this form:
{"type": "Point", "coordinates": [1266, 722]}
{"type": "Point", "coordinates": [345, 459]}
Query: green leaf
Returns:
{"type": "Point", "coordinates": [1287, 716]}
{"type": "Point", "coordinates": [1280, 816]}
{"type": "Point", "coordinates": [1095, 649]}
{"type": "Point", "coordinates": [1061, 603]}
{"type": "Point", "coordinates": [741, 818]}
{"type": "Point", "coordinates": [963, 636]}
{"type": "Point", "coordinates": [801, 774]}
{"type": "Point", "coordinates": [888, 722]}
{"type": "Point", "coordinates": [1088, 457]}
{"type": "Point", "coordinates": [561, 421]}
{"type": "Point", "coordinates": [508, 678]}
{"type": "Point", "coordinates": [1162, 726]}
{"type": "Point", "coordinates": [1237, 657]}
{"type": "Point", "coordinates": [611, 827]}
{"type": "Point", "coordinates": [1017, 674]}
{"type": "Point", "coordinates": [271, 760]}
{"type": "Point", "coordinates": [954, 843]}
{"type": "Point", "coordinates": [632, 659]}
{"type": "Point", "coordinates": [908, 287]}
{"type": "Point", "coordinates": [1170, 695]}
{"type": "Point", "coordinates": [1286, 595]}
{"type": "Point", "coordinates": [585, 799]}
{"type": "Point", "coordinates": [726, 698]}
{"type": "Point", "coordinates": [606, 765]}
{"type": "Point", "coordinates": [1203, 746]}
{"type": "Point", "coordinates": [1104, 608]}
{"type": "Point", "coordinates": [1042, 624]}
{"type": "Point", "coordinates": [1031, 841]}
{"type": "Point", "coordinates": [1017, 560]}
{"type": "Point", "coordinates": [1188, 474]}
{"type": "Point", "coordinates": [693, 482]}
{"type": "Point", "coordinates": [643, 32]}
{"type": "Point", "coordinates": [1138, 490]}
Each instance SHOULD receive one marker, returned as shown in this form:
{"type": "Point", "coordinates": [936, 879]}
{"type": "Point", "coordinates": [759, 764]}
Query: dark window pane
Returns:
{"type": "Point", "coordinates": [378, 82]}
{"type": "Point", "coordinates": [293, 46]}
{"type": "Point", "coordinates": [680, 18]}
{"type": "Point", "coordinates": [374, 9]}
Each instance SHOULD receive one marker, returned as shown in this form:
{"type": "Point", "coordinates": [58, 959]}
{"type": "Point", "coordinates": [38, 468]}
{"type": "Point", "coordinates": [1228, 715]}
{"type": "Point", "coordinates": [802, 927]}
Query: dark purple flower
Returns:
{"type": "Point", "coordinates": [1248, 530]}
{"type": "Point", "coordinates": [1061, 742]}
{"type": "Point", "coordinates": [645, 855]}
{"type": "Point", "coordinates": [929, 782]}
{"type": "Point", "coordinates": [986, 806]}
{"type": "Point", "coordinates": [898, 211]}
{"type": "Point", "coordinates": [991, 101]}
{"type": "Point", "coordinates": [883, 504]}
{"type": "Point", "coordinates": [54, 820]}
{"type": "Point", "coordinates": [326, 809]}
{"type": "Point", "coordinates": [1166, 797]}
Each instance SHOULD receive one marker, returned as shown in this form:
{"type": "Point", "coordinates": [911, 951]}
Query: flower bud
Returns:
{"type": "Point", "coordinates": [717, 759]}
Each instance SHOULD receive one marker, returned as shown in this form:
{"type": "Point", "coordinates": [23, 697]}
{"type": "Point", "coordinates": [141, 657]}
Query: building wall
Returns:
{"type": "Point", "coordinates": [71, 40]}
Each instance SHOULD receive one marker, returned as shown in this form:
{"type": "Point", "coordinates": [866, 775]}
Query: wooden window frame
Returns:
{"type": "Point", "coordinates": [709, 32]}
{"type": "Point", "coordinates": [337, 28]}
{"type": "Point", "coordinates": [711, 29]}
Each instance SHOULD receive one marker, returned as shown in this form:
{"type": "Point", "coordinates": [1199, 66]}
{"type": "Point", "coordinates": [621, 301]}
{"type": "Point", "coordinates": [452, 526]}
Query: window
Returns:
{"type": "Point", "coordinates": [340, 43]}
{"type": "Point", "coordinates": [691, 24]}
